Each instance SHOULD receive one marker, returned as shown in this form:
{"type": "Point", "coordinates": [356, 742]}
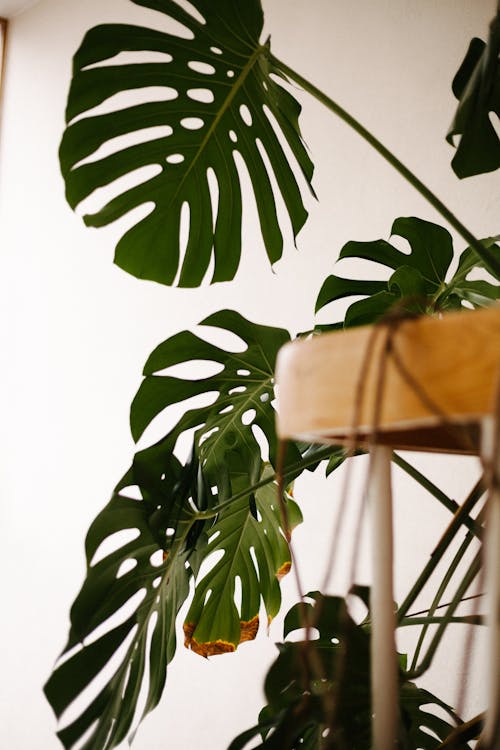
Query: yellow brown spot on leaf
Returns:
{"type": "Point", "coordinates": [188, 633]}
{"type": "Point", "coordinates": [282, 572]}
{"type": "Point", "coordinates": [249, 629]}
{"type": "Point", "coordinates": [211, 648]}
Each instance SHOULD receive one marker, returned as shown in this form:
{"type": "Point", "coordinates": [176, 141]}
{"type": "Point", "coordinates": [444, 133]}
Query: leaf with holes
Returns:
{"type": "Point", "coordinates": [244, 391]}
{"type": "Point", "coordinates": [477, 88]}
{"type": "Point", "coordinates": [215, 623]}
{"type": "Point", "coordinates": [417, 284]}
{"type": "Point", "coordinates": [126, 609]}
{"type": "Point", "coordinates": [220, 100]}
{"type": "Point", "coordinates": [297, 712]}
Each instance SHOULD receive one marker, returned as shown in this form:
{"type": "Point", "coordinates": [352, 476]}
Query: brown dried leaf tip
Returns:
{"type": "Point", "coordinates": [248, 632]}
{"type": "Point", "coordinates": [249, 629]}
{"type": "Point", "coordinates": [284, 570]}
{"type": "Point", "coordinates": [211, 648]}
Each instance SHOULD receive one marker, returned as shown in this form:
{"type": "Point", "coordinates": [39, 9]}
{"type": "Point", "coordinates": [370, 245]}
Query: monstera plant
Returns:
{"type": "Point", "coordinates": [227, 97]}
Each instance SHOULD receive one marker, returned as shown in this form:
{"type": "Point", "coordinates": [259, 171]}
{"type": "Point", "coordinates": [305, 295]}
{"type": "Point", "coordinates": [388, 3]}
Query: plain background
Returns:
{"type": "Point", "coordinates": [76, 331]}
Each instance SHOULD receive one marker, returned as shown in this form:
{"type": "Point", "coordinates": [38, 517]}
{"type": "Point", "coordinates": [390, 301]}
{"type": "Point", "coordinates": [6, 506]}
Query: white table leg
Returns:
{"type": "Point", "coordinates": [384, 669]}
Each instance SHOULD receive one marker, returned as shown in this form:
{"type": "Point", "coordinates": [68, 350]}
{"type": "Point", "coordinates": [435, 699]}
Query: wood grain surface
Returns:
{"type": "Point", "coordinates": [431, 380]}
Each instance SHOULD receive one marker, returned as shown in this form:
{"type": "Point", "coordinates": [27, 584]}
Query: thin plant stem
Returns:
{"type": "Point", "coordinates": [446, 604]}
{"type": "Point", "coordinates": [450, 571]}
{"type": "Point", "coordinates": [435, 620]}
{"type": "Point", "coordinates": [424, 665]}
{"type": "Point", "coordinates": [445, 541]}
{"type": "Point", "coordinates": [488, 258]}
{"type": "Point", "coordinates": [424, 482]}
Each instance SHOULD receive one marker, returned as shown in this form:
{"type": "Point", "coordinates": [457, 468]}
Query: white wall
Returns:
{"type": "Point", "coordinates": [10, 8]}
{"type": "Point", "coordinates": [77, 330]}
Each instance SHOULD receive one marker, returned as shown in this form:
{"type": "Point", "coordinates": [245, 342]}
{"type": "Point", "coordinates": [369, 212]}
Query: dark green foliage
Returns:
{"type": "Point", "coordinates": [167, 529]}
{"type": "Point", "coordinates": [219, 94]}
{"type": "Point", "coordinates": [299, 711]}
{"type": "Point", "coordinates": [214, 622]}
{"type": "Point", "coordinates": [477, 88]}
{"type": "Point", "coordinates": [226, 460]}
{"type": "Point", "coordinates": [418, 283]}
{"type": "Point", "coordinates": [244, 386]}
{"type": "Point", "coordinates": [221, 98]}
{"type": "Point", "coordinates": [148, 630]}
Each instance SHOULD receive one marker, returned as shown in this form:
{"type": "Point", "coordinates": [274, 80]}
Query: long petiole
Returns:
{"type": "Point", "coordinates": [488, 258]}
{"type": "Point", "coordinates": [448, 503]}
{"type": "Point", "coordinates": [437, 555]}
{"type": "Point", "coordinates": [424, 665]}
{"type": "Point", "coordinates": [446, 604]}
{"type": "Point", "coordinates": [436, 620]}
{"type": "Point", "coordinates": [450, 571]}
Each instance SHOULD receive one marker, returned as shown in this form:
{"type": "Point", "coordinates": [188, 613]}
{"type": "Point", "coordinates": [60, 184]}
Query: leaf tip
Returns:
{"type": "Point", "coordinates": [283, 570]}
{"type": "Point", "coordinates": [249, 629]}
{"type": "Point", "coordinates": [248, 632]}
{"type": "Point", "coordinates": [210, 648]}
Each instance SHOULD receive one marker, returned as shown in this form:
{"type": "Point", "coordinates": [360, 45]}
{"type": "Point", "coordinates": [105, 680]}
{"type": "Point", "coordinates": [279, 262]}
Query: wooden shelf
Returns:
{"type": "Point", "coordinates": [454, 361]}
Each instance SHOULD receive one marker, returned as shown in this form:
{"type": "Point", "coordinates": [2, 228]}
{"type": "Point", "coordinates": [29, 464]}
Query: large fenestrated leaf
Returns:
{"type": "Point", "coordinates": [417, 284]}
{"type": "Point", "coordinates": [215, 623]}
{"type": "Point", "coordinates": [219, 95]}
{"type": "Point", "coordinates": [145, 628]}
{"type": "Point", "coordinates": [295, 716]}
{"type": "Point", "coordinates": [477, 88]}
{"type": "Point", "coordinates": [244, 391]}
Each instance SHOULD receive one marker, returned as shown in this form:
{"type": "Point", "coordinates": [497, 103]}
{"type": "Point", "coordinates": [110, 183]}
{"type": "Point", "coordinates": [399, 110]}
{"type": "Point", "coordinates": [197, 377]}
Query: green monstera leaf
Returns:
{"type": "Point", "coordinates": [244, 395]}
{"type": "Point", "coordinates": [137, 582]}
{"type": "Point", "coordinates": [477, 88]}
{"type": "Point", "coordinates": [214, 623]}
{"type": "Point", "coordinates": [128, 604]}
{"type": "Point", "coordinates": [298, 708]}
{"type": "Point", "coordinates": [221, 99]}
{"type": "Point", "coordinates": [418, 283]}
